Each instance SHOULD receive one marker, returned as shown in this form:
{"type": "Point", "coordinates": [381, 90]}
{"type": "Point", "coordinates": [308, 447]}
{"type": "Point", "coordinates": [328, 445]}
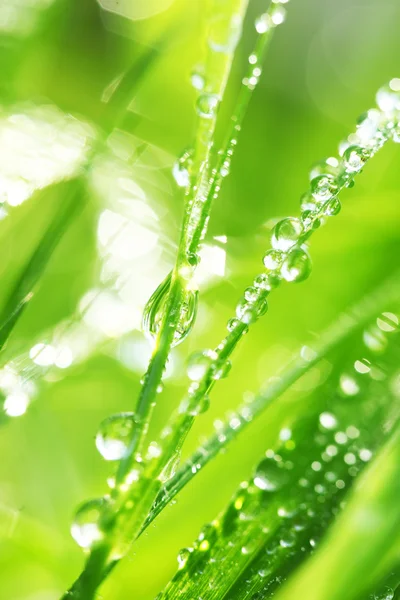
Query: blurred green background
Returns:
{"type": "Point", "coordinates": [323, 69]}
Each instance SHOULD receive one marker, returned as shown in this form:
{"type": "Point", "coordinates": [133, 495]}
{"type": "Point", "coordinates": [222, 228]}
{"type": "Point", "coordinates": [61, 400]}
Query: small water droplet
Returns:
{"type": "Point", "coordinates": [328, 420]}
{"type": "Point", "coordinates": [388, 97]}
{"type": "Point", "coordinates": [207, 105]}
{"type": "Point", "coordinates": [181, 168]}
{"type": "Point", "coordinates": [388, 322]}
{"type": "Point", "coordinates": [323, 187]}
{"type": "Point", "coordinates": [269, 476]}
{"type": "Point", "coordinates": [200, 363]}
{"type": "Point", "coordinates": [183, 558]}
{"type": "Point", "coordinates": [273, 259]}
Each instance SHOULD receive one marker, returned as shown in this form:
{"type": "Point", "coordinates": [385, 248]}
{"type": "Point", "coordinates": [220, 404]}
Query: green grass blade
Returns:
{"type": "Point", "coordinates": [25, 286]}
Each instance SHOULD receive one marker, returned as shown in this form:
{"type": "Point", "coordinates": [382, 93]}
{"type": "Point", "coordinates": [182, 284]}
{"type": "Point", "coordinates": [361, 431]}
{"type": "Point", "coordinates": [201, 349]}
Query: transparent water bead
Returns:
{"type": "Point", "coordinates": [388, 322]}
{"type": "Point", "coordinates": [197, 78]}
{"type": "Point", "coordinates": [200, 363]}
{"type": "Point", "coordinates": [263, 23]}
{"type": "Point", "coordinates": [266, 281]}
{"type": "Point", "coordinates": [114, 436]}
{"type": "Point", "coordinates": [278, 15]}
{"type": "Point", "coordinates": [286, 233]}
{"type": "Point", "coordinates": [207, 105]}
{"type": "Point", "coordinates": [354, 158]}
{"type": "Point", "coordinates": [323, 187]}
{"type": "Point", "coordinates": [332, 207]}
{"type": "Point", "coordinates": [154, 311]}
{"type": "Point", "coordinates": [180, 170]}
{"type": "Point", "coordinates": [183, 558]}
{"type": "Point", "coordinates": [269, 476]}
{"type": "Point", "coordinates": [85, 528]}
{"type": "Point", "coordinates": [297, 266]}
{"type": "Point", "coordinates": [388, 97]}
{"type": "Point", "coordinates": [273, 259]}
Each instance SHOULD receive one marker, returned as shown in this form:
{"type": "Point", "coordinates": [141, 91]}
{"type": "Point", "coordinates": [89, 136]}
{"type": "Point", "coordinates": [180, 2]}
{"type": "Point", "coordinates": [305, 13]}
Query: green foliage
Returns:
{"type": "Point", "coordinates": [313, 501]}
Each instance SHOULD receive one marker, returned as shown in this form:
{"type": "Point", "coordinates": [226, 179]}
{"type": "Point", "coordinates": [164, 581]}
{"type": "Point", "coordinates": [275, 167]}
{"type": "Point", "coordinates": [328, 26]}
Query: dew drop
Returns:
{"type": "Point", "coordinates": [180, 170]}
{"type": "Point", "coordinates": [85, 528]}
{"type": "Point", "coordinates": [183, 558]}
{"type": "Point", "coordinates": [328, 420]}
{"type": "Point", "coordinates": [154, 311]}
{"type": "Point", "coordinates": [207, 105]}
{"type": "Point", "coordinates": [349, 385]}
{"type": "Point", "coordinates": [273, 259]}
{"type": "Point", "coordinates": [388, 97]}
{"type": "Point", "coordinates": [354, 158]}
{"type": "Point", "coordinates": [266, 281]}
{"type": "Point", "coordinates": [114, 436]}
{"type": "Point", "coordinates": [224, 35]}
{"type": "Point", "coordinates": [388, 322]}
{"type": "Point", "coordinates": [297, 266]}
{"type": "Point", "coordinates": [374, 339]}
{"type": "Point", "coordinates": [200, 363]}
{"type": "Point", "coordinates": [286, 233]}
{"type": "Point", "coordinates": [323, 187]}
{"type": "Point", "coordinates": [197, 79]}
{"type": "Point", "coordinates": [332, 207]}
{"type": "Point", "coordinates": [269, 476]}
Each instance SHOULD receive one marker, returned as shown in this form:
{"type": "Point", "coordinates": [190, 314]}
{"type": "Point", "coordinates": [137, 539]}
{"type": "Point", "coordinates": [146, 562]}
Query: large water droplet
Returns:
{"type": "Point", "coordinates": [269, 476]}
{"type": "Point", "coordinates": [354, 158]}
{"type": "Point", "coordinates": [286, 233]}
{"type": "Point", "coordinates": [296, 266]}
{"type": "Point", "coordinates": [85, 528]}
{"type": "Point", "coordinates": [388, 97]}
{"type": "Point", "coordinates": [183, 558]}
{"type": "Point", "coordinates": [114, 436]}
{"type": "Point", "coordinates": [154, 311]}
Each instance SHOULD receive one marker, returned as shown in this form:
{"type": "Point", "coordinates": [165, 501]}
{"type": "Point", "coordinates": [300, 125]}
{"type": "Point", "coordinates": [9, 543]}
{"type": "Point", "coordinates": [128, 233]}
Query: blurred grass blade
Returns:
{"type": "Point", "coordinates": [277, 519]}
{"type": "Point", "coordinates": [24, 287]}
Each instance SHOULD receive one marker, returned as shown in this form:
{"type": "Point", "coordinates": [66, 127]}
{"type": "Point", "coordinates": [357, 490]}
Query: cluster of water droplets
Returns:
{"type": "Point", "coordinates": [317, 459]}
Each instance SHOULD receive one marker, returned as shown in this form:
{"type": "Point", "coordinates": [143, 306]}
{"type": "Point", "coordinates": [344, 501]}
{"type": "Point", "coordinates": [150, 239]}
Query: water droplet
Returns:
{"type": "Point", "coordinates": [354, 158]}
{"type": "Point", "coordinates": [266, 281]}
{"type": "Point", "coordinates": [323, 187]}
{"type": "Point", "coordinates": [180, 170]}
{"type": "Point", "coordinates": [197, 78]}
{"type": "Point", "coordinates": [286, 233]}
{"type": "Point", "coordinates": [85, 528]}
{"type": "Point", "coordinates": [362, 366]}
{"type": "Point", "coordinates": [374, 339]}
{"type": "Point", "coordinates": [332, 207]}
{"type": "Point", "coordinates": [273, 259]}
{"type": "Point", "coordinates": [246, 312]}
{"type": "Point", "coordinates": [207, 105]}
{"type": "Point", "coordinates": [114, 436]}
{"type": "Point", "coordinates": [289, 540]}
{"type": "Point", "coordinates": [330, 166]}
{"type": "Point", "coordinates": [200, 363]}
{"type": "Point", "coordinates": [154, 311]}
{"type": "Point", "coordinates": [349, 385]}
{"type": "Point", "coordinates": [388, 97]}
{"type": "Point", "coordinates": [222, 369]}
{"type": "Point", "coordinates": [251, 294]}
{"type": "Point", "coordinates": [263, 23]}
{"type": "Point", "coordinates": [278, 15]}
{"type": "Point", "coordinates": [183, 558]}
{"type": "Point", "coordinates": [387, 322]}
{"type": "Point", "coordinates": [269, 476]}
{"type": "Point", "coordinates": [296, 266]}
{"type": "Point", "coordinates": [328, 420]}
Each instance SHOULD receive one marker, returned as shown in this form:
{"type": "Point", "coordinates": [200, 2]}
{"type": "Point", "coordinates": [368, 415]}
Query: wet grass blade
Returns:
{"type": "Point", "coordinates": [277, 518]}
